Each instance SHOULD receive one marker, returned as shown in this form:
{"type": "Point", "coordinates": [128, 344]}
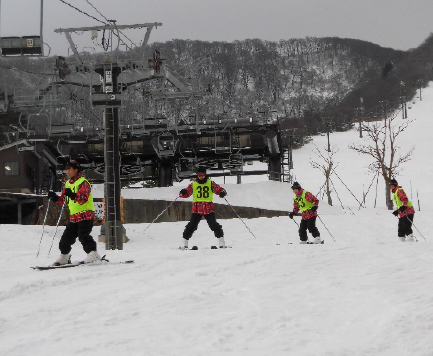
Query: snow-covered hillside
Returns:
{"type": "Point", "coordinates": [365, 293]}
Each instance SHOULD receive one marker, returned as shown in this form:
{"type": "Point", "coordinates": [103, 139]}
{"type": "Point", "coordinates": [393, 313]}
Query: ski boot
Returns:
{"type": "Point", "coordinates": [92, 257]}
{"type": "Point", "coordinates": [63, 259]}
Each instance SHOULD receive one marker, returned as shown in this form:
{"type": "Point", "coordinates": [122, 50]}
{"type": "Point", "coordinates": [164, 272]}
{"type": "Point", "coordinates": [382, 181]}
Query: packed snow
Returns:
{"type": "Point", "coordinates": [363, 292]}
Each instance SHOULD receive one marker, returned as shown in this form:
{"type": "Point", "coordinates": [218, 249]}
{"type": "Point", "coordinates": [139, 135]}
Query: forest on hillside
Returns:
{"type": "Point", "coordinates": [290, 77]}
{"type": "Point", "coordinates": [411, 71]}
{"type": "Point", "coordinates": [299, 81]}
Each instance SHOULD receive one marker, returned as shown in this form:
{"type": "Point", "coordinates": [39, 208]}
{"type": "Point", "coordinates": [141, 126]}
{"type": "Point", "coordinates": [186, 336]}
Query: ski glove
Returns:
{"type": "Point", "coordinates": [183, 192]}
{"type": "Point", "coordinates": [70, 194]}
{"type": "Point", "coordinates": [53, 196]}
{"type": "Point", "coordinates": [314, 208]}
{"type": "Point", "coordinates": [395, 212]}
{"type": "Point", "coordinates": [291, 215]}
{"type": "Point", "coordinates": [402, 208]}
{"type": "Point", "coordinates": [223, 194]}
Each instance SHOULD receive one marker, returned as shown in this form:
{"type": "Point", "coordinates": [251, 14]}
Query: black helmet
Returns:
{"type": "Point", "coordinates": [201, 170]}
{"type": "Point", "coordinates": [74, 164]}
{"type": "Point", "coordinates": [393, 182]}
{"type": "Point", "coordinates": [296, 185]}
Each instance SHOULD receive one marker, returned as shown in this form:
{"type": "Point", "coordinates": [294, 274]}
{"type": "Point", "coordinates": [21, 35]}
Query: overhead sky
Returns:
{"type": "Point", "coordinates": [399, 24]}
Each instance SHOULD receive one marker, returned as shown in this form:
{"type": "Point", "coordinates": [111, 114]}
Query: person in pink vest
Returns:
{"type": "Point", "coordinates": [307, 204]}
{"type": "Point", "coordinates": [202, 190]}
{"type": "Point", "coordinates": [405, 212]}
{"type": "Point", "coordinates": [78, 196]}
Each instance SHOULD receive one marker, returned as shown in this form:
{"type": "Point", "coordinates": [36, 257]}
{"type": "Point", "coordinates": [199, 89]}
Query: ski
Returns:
{"type": "Point", "coordinates": [103, 261]}
{"type": "Point", "coordinates": [307, 243]}
{"type": "Point", "coordinates": [312, 243]}
{"type": "Point", "coordinates": [196, 248]}
{"type": "Point", "coordinates": [44, 268]}
{"type": "Point", "coordinates": [188, 249]}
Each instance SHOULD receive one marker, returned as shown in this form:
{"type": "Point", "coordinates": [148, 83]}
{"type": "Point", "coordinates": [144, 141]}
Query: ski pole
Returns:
{"type": "Point", "coordinates": [416, 228]}
{"type": "Point", "coordinates": [162, 212]}
{"type": "Point", "coordinates": [326, 228]}
{"type": "Point", "coordinates": [43, 226]}
{"type": "Point", "coordinates": [240, 218]}
{"type": "Point", "coordinates": [57, 225]}
{"type": "Point", "coordinates": [348, 188]}
{"type": "Point", "coordinates": [295, 222]}
{"type": "Point", "coordinates": [52, 181]}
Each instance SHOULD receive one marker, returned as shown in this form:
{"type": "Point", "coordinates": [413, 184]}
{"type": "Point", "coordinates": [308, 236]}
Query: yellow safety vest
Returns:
{"type": "Point", "coordinates": [202, 192]}
{"type": "Point", "coordinates": [303, 204]}
{"type": "Point", "coordinates": [398, 202]}
{"type": "Point", "coordinates": [77, 208]}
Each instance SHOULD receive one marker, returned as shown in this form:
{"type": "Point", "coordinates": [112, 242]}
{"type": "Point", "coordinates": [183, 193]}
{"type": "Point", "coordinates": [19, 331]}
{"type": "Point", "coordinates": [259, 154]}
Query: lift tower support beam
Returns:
{"type": "Point", "coordinates": [112, 189]}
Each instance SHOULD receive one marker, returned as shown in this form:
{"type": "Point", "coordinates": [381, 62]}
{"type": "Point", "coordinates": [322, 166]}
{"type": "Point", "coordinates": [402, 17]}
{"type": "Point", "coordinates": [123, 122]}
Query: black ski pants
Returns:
{"type": "Point", "coordinates": [81, 230]}
{"type": "Point", "coordinates": [195, 220]}
{"type": "Point", "coordinates": [405, 225]}
{"type": "Point", "coordinates": [310, 225]}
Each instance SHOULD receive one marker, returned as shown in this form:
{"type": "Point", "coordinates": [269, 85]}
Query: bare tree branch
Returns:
{"type": "Point", "coordinates": [326, 168]}
{"type": "Point", "coordinates": [387, 159]}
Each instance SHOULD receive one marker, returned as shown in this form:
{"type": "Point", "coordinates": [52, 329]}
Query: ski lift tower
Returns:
{"type": "Point", "coordinates": [106, 91]}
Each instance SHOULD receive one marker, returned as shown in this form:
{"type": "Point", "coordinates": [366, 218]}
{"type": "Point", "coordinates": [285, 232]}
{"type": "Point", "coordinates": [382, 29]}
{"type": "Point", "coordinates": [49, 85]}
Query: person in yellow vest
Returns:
{"type": "Point", "coordinates": [202, 190]}
{"type": "Point", "coordinates": [78, 196]}
{"type": "Point", "coordinates": [307, 203]}
{"type": "Point", "coordinates": [405, 212]}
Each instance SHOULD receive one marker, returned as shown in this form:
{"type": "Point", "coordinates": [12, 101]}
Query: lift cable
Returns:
{"type": "Point", "coordinates": [99, 12]}
{"type": "Point", "coordinates": [81, 11]}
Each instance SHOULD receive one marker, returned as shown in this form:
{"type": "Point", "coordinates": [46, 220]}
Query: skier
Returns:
{"type": "Point", "coordinates": [405, 212]}
{"type": "Point", "coordinates": [307, 203]}
{"type": "Point", "coordinates": [202, 190]}
{"type": "Point", "coordinates": [78, 196]}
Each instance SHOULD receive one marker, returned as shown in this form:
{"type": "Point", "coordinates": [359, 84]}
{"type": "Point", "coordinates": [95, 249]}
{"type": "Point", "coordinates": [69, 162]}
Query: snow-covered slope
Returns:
{"type": "Point", "coordinates": [365, 293]}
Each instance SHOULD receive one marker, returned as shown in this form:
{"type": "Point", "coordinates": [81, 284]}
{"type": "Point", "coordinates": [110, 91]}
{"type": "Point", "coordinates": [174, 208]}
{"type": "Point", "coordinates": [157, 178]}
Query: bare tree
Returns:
{"type": "Point", "coordinates": [327, 167]}
{"type": "Point", "coordinates": [383, 148]}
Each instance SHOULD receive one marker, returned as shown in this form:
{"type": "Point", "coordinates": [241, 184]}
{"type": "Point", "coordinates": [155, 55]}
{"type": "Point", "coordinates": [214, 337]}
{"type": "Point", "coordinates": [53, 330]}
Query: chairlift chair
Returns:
{"type": "Point", "coordinates": [31, 46]}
